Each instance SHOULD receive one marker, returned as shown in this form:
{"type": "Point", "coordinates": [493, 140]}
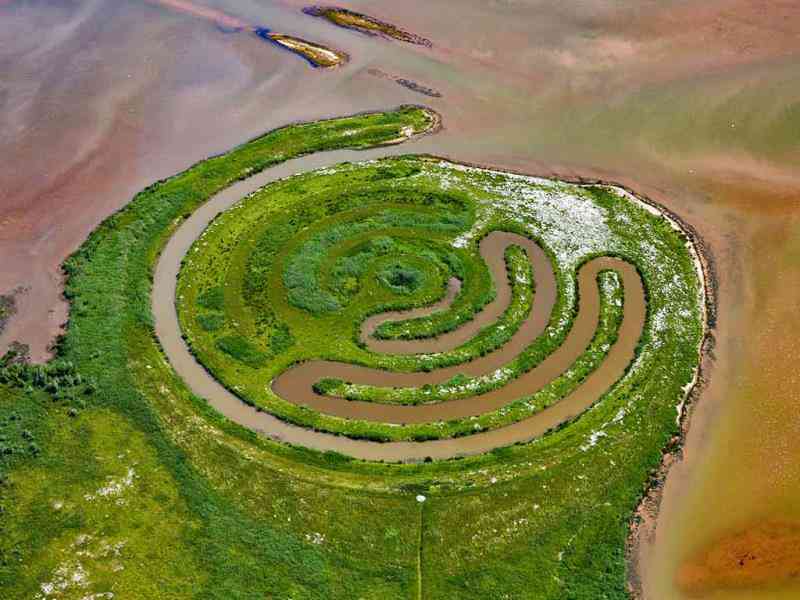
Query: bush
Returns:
{"type": "Point", "coordinates": [212, 299]}
{"type": "Point", "coordinates": [242, 350]}
{"type": "Point", "coordinates": [210, 321]}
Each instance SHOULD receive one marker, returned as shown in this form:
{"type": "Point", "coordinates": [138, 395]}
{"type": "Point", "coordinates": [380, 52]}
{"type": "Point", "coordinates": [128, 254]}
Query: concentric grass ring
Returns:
{"type": "Point", "coordinates": [323, 375]}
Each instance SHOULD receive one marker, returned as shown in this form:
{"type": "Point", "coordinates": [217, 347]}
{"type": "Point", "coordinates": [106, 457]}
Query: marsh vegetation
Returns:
{"type": "Point", "coordinates": [547, 519]}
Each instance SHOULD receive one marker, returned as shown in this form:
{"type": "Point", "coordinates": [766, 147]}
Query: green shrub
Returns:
{"type": "Point", "coordinates": [212, 299]}
{"type": "Point", "coordinates": [240, 349]}
{"type": "Point", "coordinates": [401, 279]}
{"type": "Point", "coordinates": [210, 321]}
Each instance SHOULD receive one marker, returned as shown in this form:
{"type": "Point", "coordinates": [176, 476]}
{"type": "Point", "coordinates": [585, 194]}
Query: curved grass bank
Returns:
{"type": "Point", "coordinates": [249, 516]}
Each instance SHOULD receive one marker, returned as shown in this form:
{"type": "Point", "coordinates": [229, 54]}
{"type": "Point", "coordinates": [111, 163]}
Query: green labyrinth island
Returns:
{"type": "Point", "coordinates": [352, 376]}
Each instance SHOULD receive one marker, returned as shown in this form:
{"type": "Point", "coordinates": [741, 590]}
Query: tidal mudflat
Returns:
{"type": "Point", "coordinates": [692, 105]}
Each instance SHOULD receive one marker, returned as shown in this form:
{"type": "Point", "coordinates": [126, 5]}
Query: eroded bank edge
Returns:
{"type": "Point", "coordinates": [643, 520]}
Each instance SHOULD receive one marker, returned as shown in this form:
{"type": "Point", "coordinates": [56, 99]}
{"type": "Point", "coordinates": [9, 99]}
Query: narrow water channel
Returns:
{"type": "Point", "coordinates": [295, 384]}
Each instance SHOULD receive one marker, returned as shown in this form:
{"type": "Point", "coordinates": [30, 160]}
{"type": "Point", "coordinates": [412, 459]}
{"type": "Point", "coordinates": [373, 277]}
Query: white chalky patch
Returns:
{"type": "Point", "coordinates": [114, 487]}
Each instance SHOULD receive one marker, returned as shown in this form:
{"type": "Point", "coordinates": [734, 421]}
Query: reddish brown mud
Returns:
{"type": "Point", "coordinates": [764, 554]}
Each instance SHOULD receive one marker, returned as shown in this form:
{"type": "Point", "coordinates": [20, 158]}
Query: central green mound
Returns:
{"type": "Point", "coordinates": [402, 299]}
{"type": "Point", "coordinates": [401, 278]}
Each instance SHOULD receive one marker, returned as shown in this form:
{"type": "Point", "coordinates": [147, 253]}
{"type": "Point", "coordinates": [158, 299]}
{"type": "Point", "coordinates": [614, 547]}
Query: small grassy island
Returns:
{"type": "Point", "coordinates": [366, 24]}
{"type": "Point", "coordinates": [316, 54]}
{"type": "Point", "coordinates": [409, 378]}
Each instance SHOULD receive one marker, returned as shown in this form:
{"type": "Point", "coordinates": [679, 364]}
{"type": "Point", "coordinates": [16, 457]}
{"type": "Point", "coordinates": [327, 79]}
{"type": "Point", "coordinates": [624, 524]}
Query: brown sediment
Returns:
{"type": "Point", "coordinates": [317, 54]}
{"type": "Point", "coordinates": [760, 555]}
{"type": "Point", "coordinates": [349, 19]}
{"type": "Point", "coordinates": [735, 463]}
{"type": "Point", "coordinates": [406, 83]}
{"type": "Point", "coordinates": [645, 519]}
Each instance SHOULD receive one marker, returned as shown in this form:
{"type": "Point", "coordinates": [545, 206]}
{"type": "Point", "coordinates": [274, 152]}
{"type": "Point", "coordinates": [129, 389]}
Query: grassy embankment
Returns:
{"type": "Point", "coordinates": [160, 497]}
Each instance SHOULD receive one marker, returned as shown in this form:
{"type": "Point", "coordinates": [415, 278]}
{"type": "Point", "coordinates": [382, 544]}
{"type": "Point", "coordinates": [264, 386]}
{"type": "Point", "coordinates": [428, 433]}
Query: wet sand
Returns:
{"type": "Point", "coordinates": [739, 469]}
{"type": "Point", "coordinates": [767, 554]}
{"type": "Point", "coordinates": [689, 103]}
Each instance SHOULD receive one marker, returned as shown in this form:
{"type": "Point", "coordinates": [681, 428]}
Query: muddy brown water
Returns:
{"type": "Point", "coordinates": [441, 343]}
{"type": "Point", "coordinates": [690, 103]}
{"type": "Point", "coordinates": [293, 387]}
{"type": "Point", "coordinates": [295, 384]}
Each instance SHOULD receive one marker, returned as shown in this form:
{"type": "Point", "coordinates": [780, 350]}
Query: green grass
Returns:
{"type": "Point", "coordinates": [97, 504]}
{"type": "Point", "coordinates": [210, 322]}
{"type": "Point", "coordinates": [215, 511]}
{"type": "Point", "coordinates": [301, 273]}
{"type": "Point", "coordinates": [240, 349]}
{"type": "Point", "coordinates": [489, 338]}
{"type": "Point", "coordinates": [477, 291]}
{"type": "Point", "coordinates": [401, 277]}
